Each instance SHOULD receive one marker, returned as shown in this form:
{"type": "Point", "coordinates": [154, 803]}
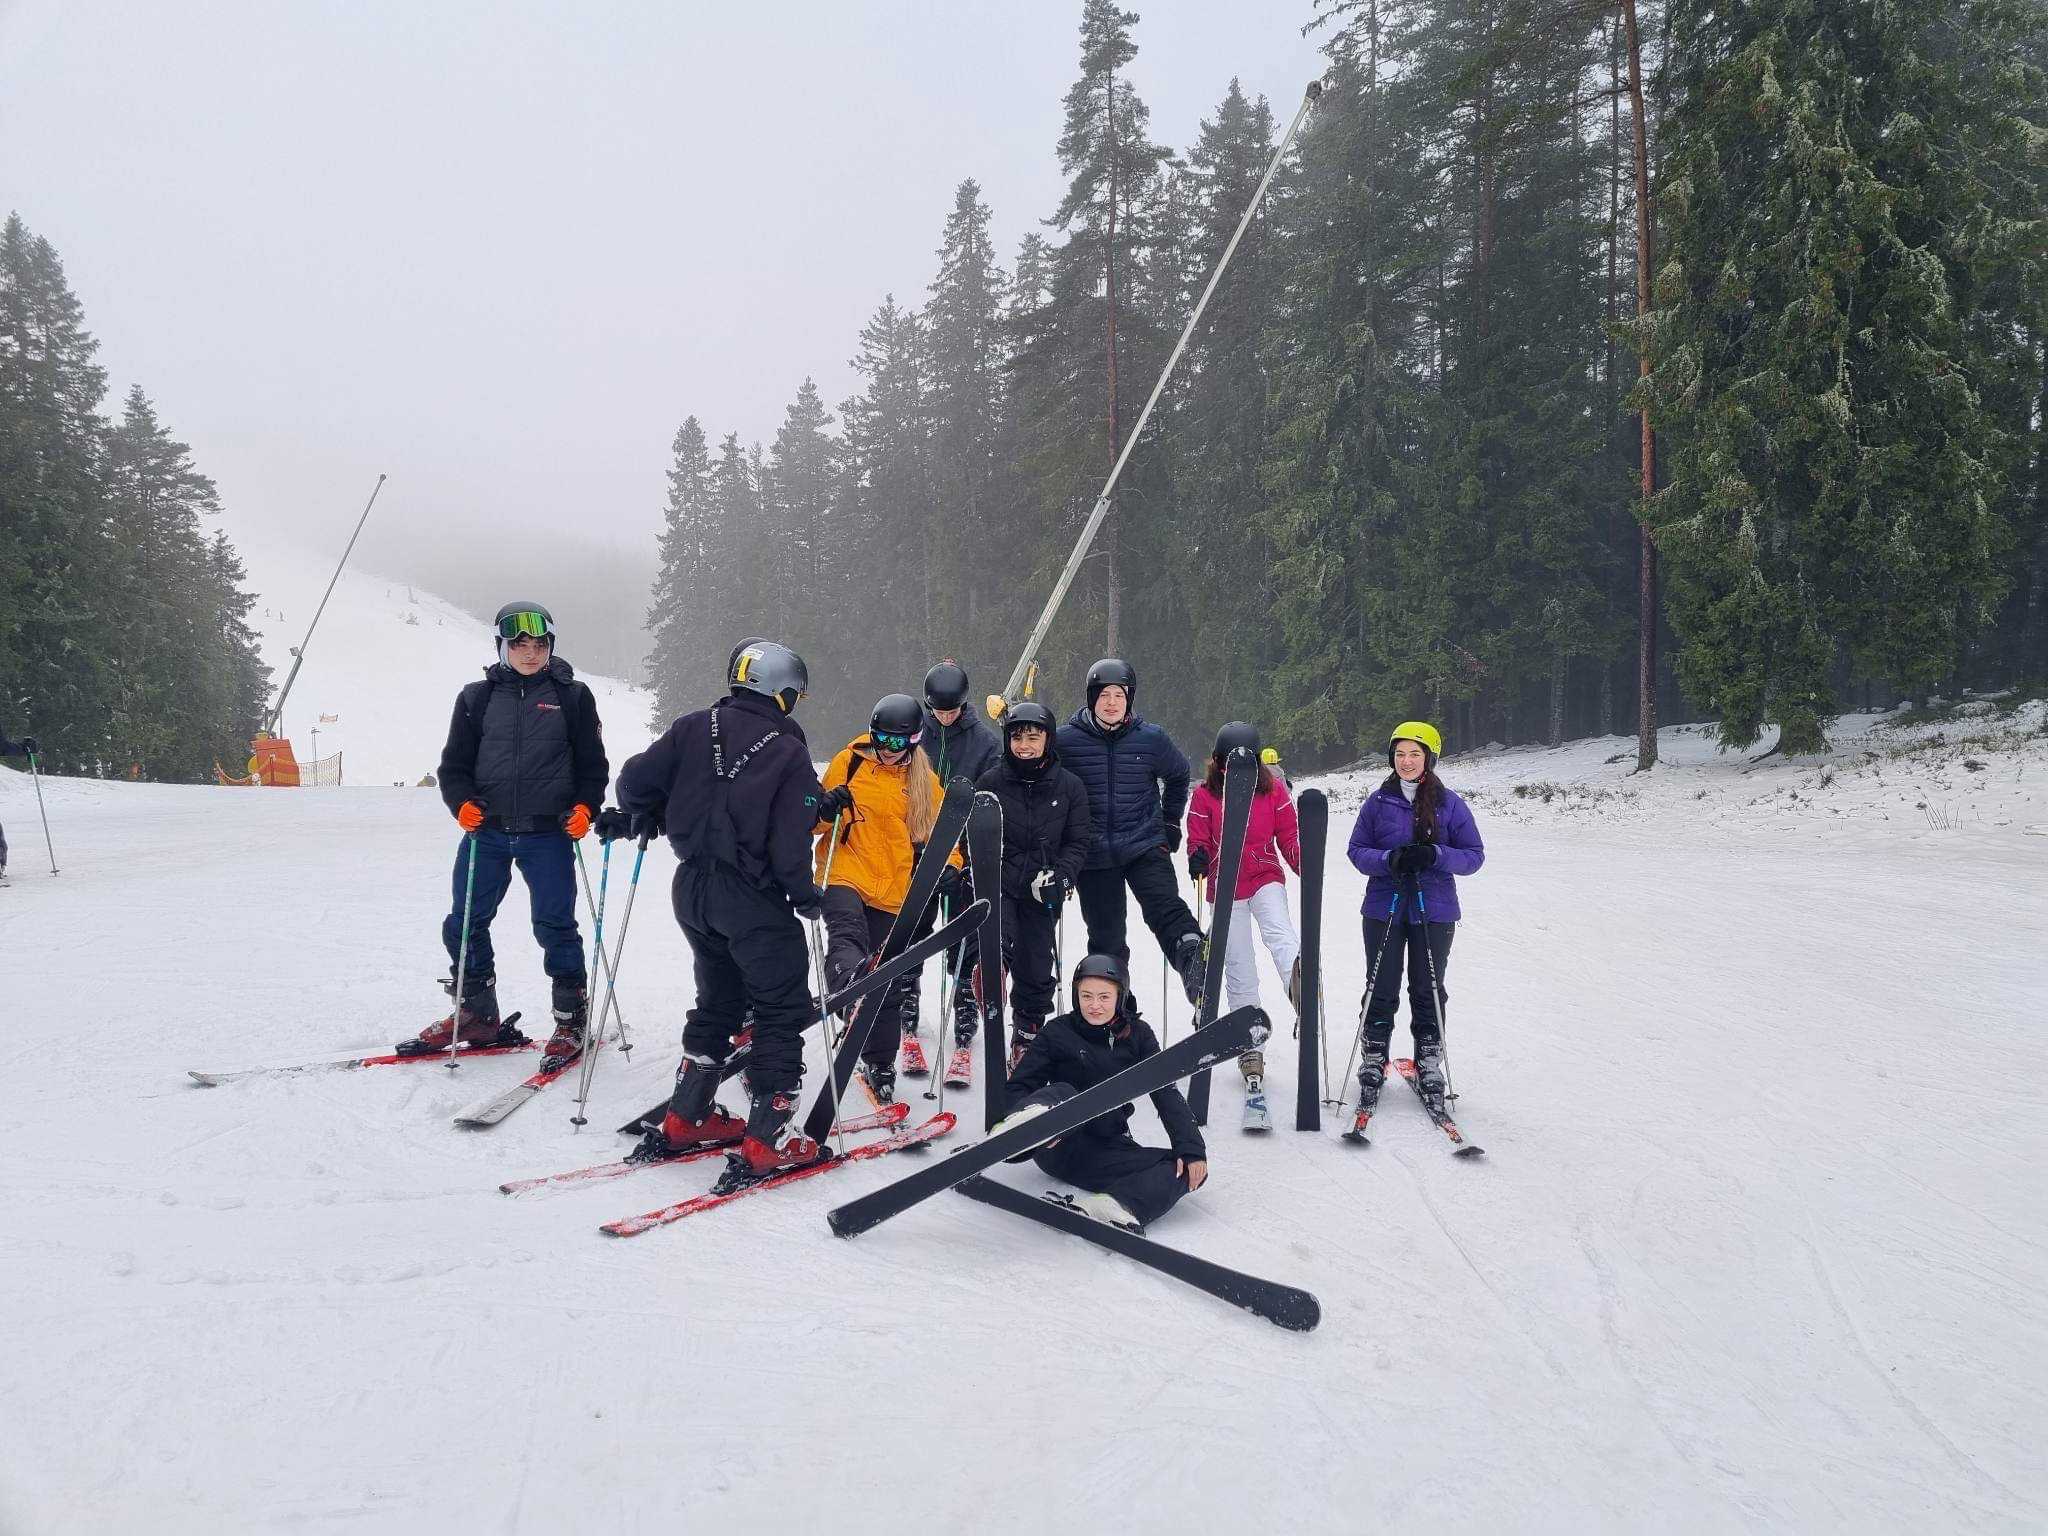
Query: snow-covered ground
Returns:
{"type": "Point", "coordinates": [386, 661]}
{"type": "Point", "coordinates": [1759, 1243]}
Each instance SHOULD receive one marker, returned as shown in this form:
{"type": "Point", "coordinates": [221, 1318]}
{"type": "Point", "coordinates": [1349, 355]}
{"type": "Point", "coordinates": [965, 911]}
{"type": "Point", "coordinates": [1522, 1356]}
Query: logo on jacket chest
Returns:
{"type": "Point", "coordinates": [546, 704]}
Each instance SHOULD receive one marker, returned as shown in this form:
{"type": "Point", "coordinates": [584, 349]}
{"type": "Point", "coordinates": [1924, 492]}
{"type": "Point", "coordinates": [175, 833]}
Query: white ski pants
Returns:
{"type": "Point", "coordinates": [1267, 911]}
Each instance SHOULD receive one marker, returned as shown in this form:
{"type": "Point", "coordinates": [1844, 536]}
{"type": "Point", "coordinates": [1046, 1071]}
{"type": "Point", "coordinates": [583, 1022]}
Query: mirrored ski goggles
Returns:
{"type": "Point", "coordinates": [890, 742]}
{"type": "Point", "coordinates": [513, 625]}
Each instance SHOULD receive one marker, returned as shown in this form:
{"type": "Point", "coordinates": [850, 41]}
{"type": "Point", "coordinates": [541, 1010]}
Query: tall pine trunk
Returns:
{"type": "Point", "coordinates": [1646, 566]}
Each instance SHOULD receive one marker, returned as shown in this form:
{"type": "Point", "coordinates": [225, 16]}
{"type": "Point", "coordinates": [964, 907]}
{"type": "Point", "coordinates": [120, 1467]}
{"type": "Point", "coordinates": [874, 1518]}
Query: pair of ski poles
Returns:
{"type": "Point", "coordinates": [1394, 926]}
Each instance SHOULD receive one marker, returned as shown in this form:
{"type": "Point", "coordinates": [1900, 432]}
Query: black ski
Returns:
{"type": "Point", "coordinates": [1229, 1036]}
{"type": "Point", "coordinates": [985, 856]}
{"type": "Point", "coordinates": [1240, 780]}
{"type": "Point", "coordinates": [961, 924]}
{"type": "Point", "coordinates": [1313, 813]}
{"type": "Point", "coordinates": [924, 884]}
{"type": "Point", "coordinates": [1286, 1305]}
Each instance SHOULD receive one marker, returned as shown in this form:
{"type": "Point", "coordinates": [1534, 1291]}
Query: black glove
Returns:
{"type": "Point", "coordinates": [30, 745]}
{"type": "Point", "coordinates": [1412, 859]}
{"type": "Point", "coordinates": [810, 907]}
{"type": "Point", "coordinates": [948, 888]}
{"type": "Point", "coordinates": [835, 801]}
{"type": "Point", "coordinates": [613, 824]}
{"type": "Point", "coordinates": [648, 825]}
{"type": "Point", "coordinates": [1198, 863]}
{"type": "Point", "coordinates": [1173, 839]}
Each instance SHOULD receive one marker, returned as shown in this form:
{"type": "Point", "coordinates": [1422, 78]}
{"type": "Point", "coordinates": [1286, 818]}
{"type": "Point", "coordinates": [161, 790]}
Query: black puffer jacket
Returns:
{"type": "Point", "coordinates": [1070, 1050]}
{"type": "Point", "coordinates": [526, 748]}
{"type": "Point", "coordinates": [1046, 824]}
{"type": "Point", "coordinates": [1137, 785]}
{"type": "Point", "coordinates": [966, 749]}
{"type": "Point", "coordinates": [757, 818]}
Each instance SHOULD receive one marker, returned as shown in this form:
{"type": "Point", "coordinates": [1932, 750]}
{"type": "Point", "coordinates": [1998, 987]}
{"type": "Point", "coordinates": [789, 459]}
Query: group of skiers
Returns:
{"type": "Point", "coordinates": [1092, 807]}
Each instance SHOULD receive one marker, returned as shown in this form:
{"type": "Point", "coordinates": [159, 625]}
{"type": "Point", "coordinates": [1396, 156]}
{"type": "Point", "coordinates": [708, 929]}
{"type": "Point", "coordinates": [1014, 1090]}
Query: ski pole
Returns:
{"type": "Point", "coordinates": [1365, 1004]}
{"type": "Point", "coordinates": [1436, 996]}
{"type": "Point", "coordinates": [37, 777]}
{"type": "Point", "coordinates": [947, 992]}
{"type": "Point", "coordinates": [825, 1019]}
{"type": "Point", "coordinates": [462, 954]}
{"type": "Point", "coordinates": [609, 1009]}
{"type": "Point", "coordinates": [590, 1041]}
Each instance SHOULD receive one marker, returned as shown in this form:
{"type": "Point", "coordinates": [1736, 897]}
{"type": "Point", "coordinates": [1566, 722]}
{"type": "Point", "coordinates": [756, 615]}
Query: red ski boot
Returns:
{"type": "Point", "coordinates": [770, 1146]}
{"type": "Point", "coordinates": [481, 1024]}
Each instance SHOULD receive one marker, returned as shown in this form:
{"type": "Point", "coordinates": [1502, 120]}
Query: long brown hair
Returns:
{"type": "Point", "coordinates": [1429, 798]}
{"type": "Point", "coordinates": [920, 792]}
{"type": "Point", "coordinates": [1214, 778]}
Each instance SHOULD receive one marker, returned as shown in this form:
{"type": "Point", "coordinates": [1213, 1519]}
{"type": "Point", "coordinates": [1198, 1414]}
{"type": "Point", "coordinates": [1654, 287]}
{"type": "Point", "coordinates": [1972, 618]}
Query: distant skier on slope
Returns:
{"type": "Point", "coordinates": [734, 789]}
{"type": "Point", "coordinates": [1047, 831]}
{"type": "Point", "coordinates": [523, 772]}
{"type": "Point", "coordinates": [21, 748]}
{"type": "Point", "coordinates": [1137, 783]}
{"type": "Point", "coordinates": [886, 797]}
{"type": "Point", "coordinates": [1131, 1185]}
{"type": "Point", "coordinates": [960, 745]}
{"type": "Point", "coordinates": [1272, 835]}
{"type": "Point", "coordinates": [1413, 837]}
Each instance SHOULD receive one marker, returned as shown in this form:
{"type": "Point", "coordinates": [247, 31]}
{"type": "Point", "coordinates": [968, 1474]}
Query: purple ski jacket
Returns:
{"type": "Point", "coordinates": [1387, 821]}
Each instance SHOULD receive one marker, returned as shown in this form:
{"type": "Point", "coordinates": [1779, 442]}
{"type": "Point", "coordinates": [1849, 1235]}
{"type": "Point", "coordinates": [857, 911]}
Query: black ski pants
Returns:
{"type": "Point", "coordinates": [1030, 950]}
{"type": "Point", "coordinates": [1143, 1178]}
{"type": "Point", "coordinates": [1424, 1021]}
{"type": "Point", "coordinates": [1150, 878]}
{"type": "Point", "coordinates": [854, 931]}
{"type": "Point", "coordinates": [750, 957]}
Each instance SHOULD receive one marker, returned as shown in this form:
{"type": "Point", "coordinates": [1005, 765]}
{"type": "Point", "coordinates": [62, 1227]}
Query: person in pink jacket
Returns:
{"type": "Point", "coordinates": [1272, 835]}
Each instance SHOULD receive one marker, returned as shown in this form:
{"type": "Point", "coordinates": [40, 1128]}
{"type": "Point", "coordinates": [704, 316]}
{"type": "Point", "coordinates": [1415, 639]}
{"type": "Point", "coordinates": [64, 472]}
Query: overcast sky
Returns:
{"type": "Point", "coordinates": [500, 249]}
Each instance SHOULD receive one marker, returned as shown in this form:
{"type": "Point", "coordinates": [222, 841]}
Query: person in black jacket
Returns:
{"type": "Point", "coordinates": [21, 748]}
{"type": "Point", "coordinates": [1137, 789]}
{"type": "Point", "coordinates": [734, 788]}
{"type": "Point", "coordinates": [961, 746]}
{"type": "Point", "coordinates": [1046, 833]}
{"type": "Point", "coordinates": [523, 772]}
{"type": "Point", "coordinates": [1133, 1185]}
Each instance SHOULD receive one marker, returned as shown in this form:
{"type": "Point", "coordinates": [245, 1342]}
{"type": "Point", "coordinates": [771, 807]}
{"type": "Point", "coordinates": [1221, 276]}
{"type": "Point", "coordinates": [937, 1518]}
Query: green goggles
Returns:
{"type": "Point", "coordinates": [513, 625]}
{"type": "Point", "coordinates": [888, 741]}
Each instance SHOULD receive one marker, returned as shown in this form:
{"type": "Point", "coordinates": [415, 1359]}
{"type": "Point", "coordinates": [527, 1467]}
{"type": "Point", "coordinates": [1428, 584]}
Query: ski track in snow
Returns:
{"type": "Point", "coordinates": [1757, 1245]}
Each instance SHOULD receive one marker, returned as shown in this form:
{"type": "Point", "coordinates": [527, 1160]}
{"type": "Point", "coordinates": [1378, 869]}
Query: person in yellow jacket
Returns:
{"type": "Point", "coordinates": [883, 797]}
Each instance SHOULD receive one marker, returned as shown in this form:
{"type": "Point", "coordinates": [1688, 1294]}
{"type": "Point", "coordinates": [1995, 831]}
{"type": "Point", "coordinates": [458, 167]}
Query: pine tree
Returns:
{"type": "Point", "coordinates": [798, 492]}
{"type": "Point", "coordinates": [55, 555]}
{"type": "Point", "coordinates": [1835, 471]}
{"type": "Point", "coordinates": [686, 659]}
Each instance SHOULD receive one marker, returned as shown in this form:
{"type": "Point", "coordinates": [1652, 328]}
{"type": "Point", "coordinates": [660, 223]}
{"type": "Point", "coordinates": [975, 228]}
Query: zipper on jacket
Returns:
{"type": "Point", "coordinates": [518, 753]}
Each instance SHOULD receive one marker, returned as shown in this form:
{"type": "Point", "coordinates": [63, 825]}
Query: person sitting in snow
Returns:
{"type": "Point", "coordinates": [1130, 1185]}
{"type": "Point", "coordinates": [523, 772]}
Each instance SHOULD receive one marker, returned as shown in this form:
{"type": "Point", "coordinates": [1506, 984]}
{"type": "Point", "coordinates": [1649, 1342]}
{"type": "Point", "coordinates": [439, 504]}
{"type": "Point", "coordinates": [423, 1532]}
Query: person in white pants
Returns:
{"type": "Point", "coordinates": [1272, 845]}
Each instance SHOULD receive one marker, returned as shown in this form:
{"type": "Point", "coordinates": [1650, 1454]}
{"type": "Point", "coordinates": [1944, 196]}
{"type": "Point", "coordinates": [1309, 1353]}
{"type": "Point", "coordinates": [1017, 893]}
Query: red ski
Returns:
{"type": "Point", "coordinates": [885, 1120]}
{"type": "Point", "coordinates": [491, 1111]}
{"type": "Point", "coordinates": [914, 1064]}
{"type": "Point", "coordinates": [1441, 1116]}
{"type": "Point", "coordinates": [960, 1068]}
{"type": "Point", "coordinates": [348, 1060]}
{"type": "Point", "coordinates": [930, 1130]}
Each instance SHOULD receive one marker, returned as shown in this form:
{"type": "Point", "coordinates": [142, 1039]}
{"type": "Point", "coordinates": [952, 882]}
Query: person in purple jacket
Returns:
{"type": "Point", "coordinates": [1413, 838]}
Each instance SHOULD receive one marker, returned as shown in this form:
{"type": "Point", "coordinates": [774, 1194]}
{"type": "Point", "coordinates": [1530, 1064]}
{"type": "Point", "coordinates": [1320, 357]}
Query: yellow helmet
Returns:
{"type": "Point", "coordinates": [1270, 756]}
{"type": "Point", "coordinates": [1421, 732]}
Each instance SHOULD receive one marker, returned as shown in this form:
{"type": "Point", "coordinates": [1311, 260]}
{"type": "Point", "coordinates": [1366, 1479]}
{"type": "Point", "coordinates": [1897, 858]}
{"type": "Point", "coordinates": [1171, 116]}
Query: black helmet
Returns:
{"type": "Point", "coordinates": [516, 619]}
{"type": "Point", "coordinates": [897, 715]}
{"type": "Point", "coordinates": [771, 670]}
{"type": "Point", "coordinates": [945, 686]}
{"type": "Point", "coordinates": [1237, 734]}
{"type": "Point", "coordinates": [1028, 712]}
{"type": "Point", "coordinates": [1100, 968]}
{"type": "Point", "coordinates": [1113, 670]}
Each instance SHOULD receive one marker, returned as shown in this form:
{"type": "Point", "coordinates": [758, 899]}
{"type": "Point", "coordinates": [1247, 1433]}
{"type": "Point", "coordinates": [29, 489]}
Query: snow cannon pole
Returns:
{"type": "Point", "coordinates": [299, 652]}
{"type": "Point", "coordinates": [1101, 508]}
{"type": "Point", "coordinates": [817, 928]}
{"type": "Point", "coordinates": [36, 777]}
{"type": "Point", "coordinates": [462, 955]}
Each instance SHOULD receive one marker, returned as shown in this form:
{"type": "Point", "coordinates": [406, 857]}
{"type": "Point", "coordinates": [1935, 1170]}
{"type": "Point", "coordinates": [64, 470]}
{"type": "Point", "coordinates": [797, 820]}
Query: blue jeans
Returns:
{"type": "Point", "coordinates": [548, 861]}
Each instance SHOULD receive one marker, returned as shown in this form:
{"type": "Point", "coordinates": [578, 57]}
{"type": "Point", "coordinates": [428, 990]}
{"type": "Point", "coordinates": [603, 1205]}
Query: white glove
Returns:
{"type": "Point", "coordinates": [1044, 878]}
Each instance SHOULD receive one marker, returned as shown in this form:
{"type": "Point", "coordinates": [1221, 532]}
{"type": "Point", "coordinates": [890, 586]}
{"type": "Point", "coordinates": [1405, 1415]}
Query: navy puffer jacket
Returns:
{"type": "Point", "coordinates": [1137, 783]}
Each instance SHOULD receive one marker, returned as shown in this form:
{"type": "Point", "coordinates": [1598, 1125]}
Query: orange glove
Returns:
{"type": "Point", "coordinates": [577, 822]}
{"type": "Point", "coordinates": [471, 816]}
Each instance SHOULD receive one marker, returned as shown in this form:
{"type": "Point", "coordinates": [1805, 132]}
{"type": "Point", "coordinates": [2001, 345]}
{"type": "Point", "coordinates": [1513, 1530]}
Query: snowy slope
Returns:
{"type": "Point", "coordinates": [387, 660]}
{"type": "Point", "coordinates": [1758, 1245]}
